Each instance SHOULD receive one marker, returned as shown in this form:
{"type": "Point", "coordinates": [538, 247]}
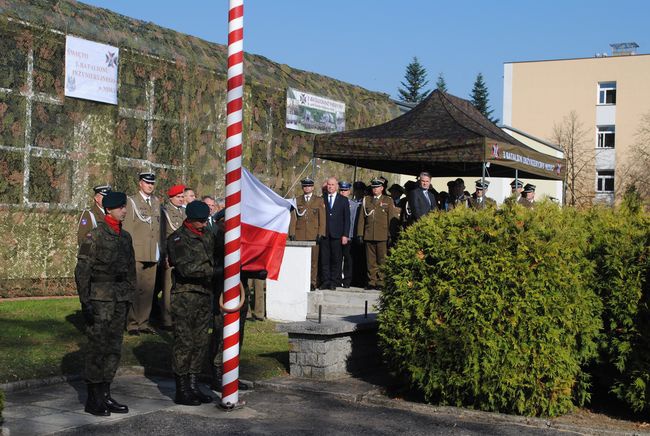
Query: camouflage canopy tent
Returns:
{"type": "Point", "coordinates": [444, 135]}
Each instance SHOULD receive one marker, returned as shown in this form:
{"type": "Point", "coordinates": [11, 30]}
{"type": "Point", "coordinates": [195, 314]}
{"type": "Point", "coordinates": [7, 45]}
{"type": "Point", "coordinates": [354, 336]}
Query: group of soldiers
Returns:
{"type": "Point", "coordinates": [129, 249]}
{"type": "Point", "coordinates": [353, 235]}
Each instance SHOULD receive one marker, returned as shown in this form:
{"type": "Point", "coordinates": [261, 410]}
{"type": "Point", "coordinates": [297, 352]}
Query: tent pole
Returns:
{"type": "Point", "coordinates": [483, 176]}
{"type": "Point", "coordinates": [313, 168]}
{"type": "Point", "coordinates": [516, 176]}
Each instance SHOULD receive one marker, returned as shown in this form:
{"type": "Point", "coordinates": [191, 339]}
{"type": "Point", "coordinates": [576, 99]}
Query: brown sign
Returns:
{"type": "Point", "coordinates": [525, 159]}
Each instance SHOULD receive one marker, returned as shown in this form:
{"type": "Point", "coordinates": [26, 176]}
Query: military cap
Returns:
{"type": "Point", "coordinates": [481, 184]}
{"type": "Point", "coordinates": [516, 184]}
{"type": "Point", "coordinates": [307, 182]}
{"type": "Point", "coordinates": [102, 189]}
{"type": "Point", "coordinates": [376, 183]}
{"type": "Point", "coordinates": [345, 186]}
{"type": "Point", "coordinates": [529, 188]}
{"type": "Point", "coordinates": [114, 200]}
{"type": "Point", "coordinates": [197, 210]}
{"type": "Point", "coordinates": [359, 185]}
{"type": "Point", "coordinates": [147, 176]}
{"type": "Point", "coordinates": [175, 190]}
{"type": "Point", "coordinates": [396, 188]}
{"type": "Point", "coordinates": [460, 182]}
{"type": "Point", "coordinates": [410, 185]}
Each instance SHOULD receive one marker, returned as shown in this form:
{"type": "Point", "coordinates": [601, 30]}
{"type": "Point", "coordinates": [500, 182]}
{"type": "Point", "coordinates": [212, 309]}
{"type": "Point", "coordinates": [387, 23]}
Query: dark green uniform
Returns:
{"type": "Point", "coordinates": [105, 277]}
{"type": "Point", "coordinates": [195, 266]}
{"type": "Point", "coordinates": [476, 202]}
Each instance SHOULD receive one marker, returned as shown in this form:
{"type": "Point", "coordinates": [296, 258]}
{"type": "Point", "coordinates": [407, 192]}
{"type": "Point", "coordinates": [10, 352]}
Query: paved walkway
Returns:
{"type": "Point", "coordinates": [283, 406]}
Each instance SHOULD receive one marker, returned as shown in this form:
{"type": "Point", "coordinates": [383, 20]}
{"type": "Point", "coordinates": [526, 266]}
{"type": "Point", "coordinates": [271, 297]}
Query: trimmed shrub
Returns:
{"type": "Point", "coordinates": [620, 251]}
{"type": "Point", "coordinates": [491, 309]}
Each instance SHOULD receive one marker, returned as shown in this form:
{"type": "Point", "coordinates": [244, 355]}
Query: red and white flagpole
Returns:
{"type": "Point", "coordinates": [230, 379]}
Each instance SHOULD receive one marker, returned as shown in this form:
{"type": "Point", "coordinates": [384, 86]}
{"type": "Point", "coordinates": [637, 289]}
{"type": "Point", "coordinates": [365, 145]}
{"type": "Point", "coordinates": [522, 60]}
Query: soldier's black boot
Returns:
{"type": "Point", "coordinates": [112, 405]}
{"type": "Point", "coordinates": [183, 393]}
{"type": "Point", "coordinates": [196, 390]}
{"type": "Point", "coordinates": [95, 404]}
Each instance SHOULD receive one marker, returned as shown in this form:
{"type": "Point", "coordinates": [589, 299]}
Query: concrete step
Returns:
{"type": "Point", "coordinates": [342, 302]}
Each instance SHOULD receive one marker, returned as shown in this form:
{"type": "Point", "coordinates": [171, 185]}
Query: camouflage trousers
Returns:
{"type": "Point", "coordinates": [104, 348]}
{"type": "Point", "coordinates": [191, 322]}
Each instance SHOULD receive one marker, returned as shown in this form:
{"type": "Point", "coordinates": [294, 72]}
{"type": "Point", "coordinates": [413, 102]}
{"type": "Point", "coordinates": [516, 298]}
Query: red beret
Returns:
{"type": "Point", "coordinates": [175, 190]}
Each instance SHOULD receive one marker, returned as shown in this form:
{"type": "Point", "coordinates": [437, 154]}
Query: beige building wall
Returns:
{"type": "Point", "coordinates": [539, 94]}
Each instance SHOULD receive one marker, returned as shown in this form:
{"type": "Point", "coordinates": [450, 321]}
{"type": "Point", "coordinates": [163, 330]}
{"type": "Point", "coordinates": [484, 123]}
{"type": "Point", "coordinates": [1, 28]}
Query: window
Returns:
{"type": "Point", "coordinates": [606, 136]}
{"type": "Point", "coordinates": [607, 93]}
{"type": "Point", "coordinates": [605, 181]}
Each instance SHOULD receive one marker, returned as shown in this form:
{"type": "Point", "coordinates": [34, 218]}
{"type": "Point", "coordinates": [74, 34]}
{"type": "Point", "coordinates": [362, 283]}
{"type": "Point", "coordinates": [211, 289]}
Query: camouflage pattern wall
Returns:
{"type": "Point", "coordinates": [170, 118]}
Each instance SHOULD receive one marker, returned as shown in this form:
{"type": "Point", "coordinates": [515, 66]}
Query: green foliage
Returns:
{"type": "Point", "coordinates": [416, 79]}
{"type": "Point", "coordinates": [491, 309]}
{"type": "Point", "coordinates": [2, 405]}
{"type": "Point", "coordinates": [619, 249]}
{"type": "Point", "coordinates": [441, 83]}
{"type": "Point", "coordinates": [480, 98]}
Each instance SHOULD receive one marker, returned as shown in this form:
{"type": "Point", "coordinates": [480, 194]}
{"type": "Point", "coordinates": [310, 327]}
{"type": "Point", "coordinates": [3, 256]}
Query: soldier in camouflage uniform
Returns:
{"type": "Point", "coordinates": [90, 217]}
{"type": "Point", "coordinates": [173, 214]}
{"type": "Point", "coordinates": [377, 212]}
{"type": "Point", "coordinates": [191, 252]}
{"type": "Point", "coordinates": [105, 277]}
{"type": "Point", "coordinates": [308, 223]}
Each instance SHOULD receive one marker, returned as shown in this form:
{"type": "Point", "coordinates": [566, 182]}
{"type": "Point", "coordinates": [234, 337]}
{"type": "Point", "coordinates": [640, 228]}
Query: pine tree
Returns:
{"type": "Point", "coordinates": [441, 84]}
{"type": "Point", "coordinates": [481, 98]}
{"type": "Point", "coordinates": [416, 80]}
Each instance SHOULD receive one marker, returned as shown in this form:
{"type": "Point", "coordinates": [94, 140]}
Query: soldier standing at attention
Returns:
{"type": "Point", "coordinates": [528, 196]}
{"type": "Point", "coordinates": [105, 278]}
{"type": "Point", "coordinates": [308, 223]}
{"type": "Point", "coordinates": [143, 223]}
{"type": "Point", "coordinates": [479, 200]}
{"type": "Point", "coordinates": [377, 211]}
{"type": "Point", "coordinates": [173, 214]}
{"type": "Point", "coordinates": [90, 217]}
{"type": "Point", "coordinates": [191, 251]}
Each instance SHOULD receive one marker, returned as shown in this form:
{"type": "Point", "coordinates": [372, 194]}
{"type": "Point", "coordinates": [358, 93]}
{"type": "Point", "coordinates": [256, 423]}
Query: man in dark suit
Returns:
{"type": "Point", "coordinates": [421, 201]}
{"type": "Point", "coordinates": [337, 229]}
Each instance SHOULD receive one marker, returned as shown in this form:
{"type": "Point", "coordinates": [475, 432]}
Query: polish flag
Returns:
{"type": "Point", "coordinates": [265, 220]}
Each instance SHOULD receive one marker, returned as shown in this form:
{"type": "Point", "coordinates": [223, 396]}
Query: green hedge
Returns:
{"type": "Point", "coordinates": [492, 309]}
{"type": "Point", "coordinates": [620, 251]}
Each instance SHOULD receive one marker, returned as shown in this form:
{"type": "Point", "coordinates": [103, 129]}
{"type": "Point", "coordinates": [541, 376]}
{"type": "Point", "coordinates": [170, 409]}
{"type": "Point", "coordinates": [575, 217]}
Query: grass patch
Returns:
{"type": "Point", "coordinates": [43, 338]}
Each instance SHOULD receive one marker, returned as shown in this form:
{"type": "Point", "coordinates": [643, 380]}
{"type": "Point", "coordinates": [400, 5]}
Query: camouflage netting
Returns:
{"type": "Point", "coordinates": [170, 118]}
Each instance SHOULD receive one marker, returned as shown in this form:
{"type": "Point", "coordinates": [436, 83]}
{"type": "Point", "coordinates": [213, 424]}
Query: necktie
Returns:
{"type": "Point", "coordinates": [331, 201]}
{"type": "Point", "coordinates": [426, 195]}
{"type": "Point", "coordinates": [148, 202]}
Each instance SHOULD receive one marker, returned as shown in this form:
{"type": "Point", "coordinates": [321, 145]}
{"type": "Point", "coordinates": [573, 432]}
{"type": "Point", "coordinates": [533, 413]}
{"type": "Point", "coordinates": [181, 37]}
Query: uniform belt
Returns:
{"type": "Point", "coordinates": [205, 281]}
{"type": "Point", "coordinates": [107, 278]}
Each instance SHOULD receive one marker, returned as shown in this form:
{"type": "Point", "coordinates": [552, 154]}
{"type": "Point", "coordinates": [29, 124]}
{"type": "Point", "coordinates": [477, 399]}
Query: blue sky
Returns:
{"type": "Point", "coordinates": [370, 42]}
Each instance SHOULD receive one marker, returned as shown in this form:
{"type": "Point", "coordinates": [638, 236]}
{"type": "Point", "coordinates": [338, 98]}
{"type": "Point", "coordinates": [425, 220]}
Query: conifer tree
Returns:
{"type": "Point", "coordinates": [416, 80]}
{"type": "Point", "coordinates": [441, 84]}
{"type": "Point", "coordinates": [481, 98]}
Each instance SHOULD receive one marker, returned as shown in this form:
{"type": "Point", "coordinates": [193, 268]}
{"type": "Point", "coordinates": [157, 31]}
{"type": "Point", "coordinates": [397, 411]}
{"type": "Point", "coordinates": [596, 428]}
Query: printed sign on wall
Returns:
{"type": "Point", "coordinates": [91, 70]}
{"type": "Point", "coordinates": [312, 113]}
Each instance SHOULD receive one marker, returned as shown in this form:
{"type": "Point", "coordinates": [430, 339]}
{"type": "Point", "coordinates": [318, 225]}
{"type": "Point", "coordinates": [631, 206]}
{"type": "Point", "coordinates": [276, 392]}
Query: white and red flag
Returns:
{"type": "Point", "coordinates": [265, 220]}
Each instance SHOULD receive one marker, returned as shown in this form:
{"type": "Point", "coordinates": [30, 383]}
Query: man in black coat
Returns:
{"type": "Point", "coordinates": [337, 229]}
{"type": "Point", "coordinates": [421, 200]}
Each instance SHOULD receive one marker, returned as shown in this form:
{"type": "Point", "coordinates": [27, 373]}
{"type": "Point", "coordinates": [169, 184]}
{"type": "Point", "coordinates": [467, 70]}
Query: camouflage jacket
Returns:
{"type": "Point", "coordinates": [194, 260]}
{"type": "Point", "coordinates": [105, 266]}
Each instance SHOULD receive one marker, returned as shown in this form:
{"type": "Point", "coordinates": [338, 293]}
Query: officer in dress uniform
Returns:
{"type": "Point", "coordinates": [308, 223]}
{"type": "Point", "coordinates": [191, 251]}
{"type": "Point", "coordinates": [348, 259]}
{"type": "Point", "coordinates": [479, 199]}
{"type": "Point", "coordinates": [375, 216]}
{"type": "Point", "coordinates": [516, 186]}
{"type": "Point", "coordinates": [528, 196]}
{"type": "Point", "coordinates": [172, 216]}
{"type": "Point", "coordinates": [105, 278]}
{"type": "Point", "coordinates": [90, 217]}
{"type": "Point", "coordinates": [143, 223]}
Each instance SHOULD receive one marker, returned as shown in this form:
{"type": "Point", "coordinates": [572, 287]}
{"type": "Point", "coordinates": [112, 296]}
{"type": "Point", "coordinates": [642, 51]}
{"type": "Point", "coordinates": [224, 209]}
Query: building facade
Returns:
{"type": "Point", "coordinates": [597, 102]}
